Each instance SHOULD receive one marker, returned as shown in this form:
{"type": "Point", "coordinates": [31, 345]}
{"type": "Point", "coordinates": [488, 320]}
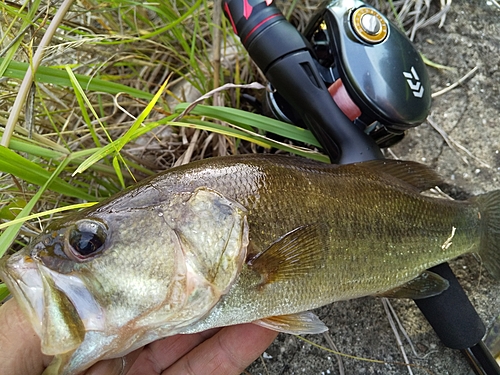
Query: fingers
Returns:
{"type": "Point", "coordinates": [224, 351]}
{"type": "Point", "coordinates": [228, 352]}
{"type": "Point", "coordinates": [114, 366]}
{"type": "Point", "coordinates": [21, 353]}
{"type": "Point", "coordinates": [159, 355]}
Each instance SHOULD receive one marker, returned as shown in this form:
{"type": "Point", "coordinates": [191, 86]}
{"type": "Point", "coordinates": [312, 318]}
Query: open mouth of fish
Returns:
{"type": "Point", "coordinates": [41, 292]}
{"type": "Point", "coordinates": [21, 275]}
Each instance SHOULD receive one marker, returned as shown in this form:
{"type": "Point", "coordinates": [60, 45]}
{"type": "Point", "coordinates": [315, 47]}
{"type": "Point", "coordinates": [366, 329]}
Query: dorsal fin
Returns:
{"type": "Point", "coordinates": [296, 253]}
{"type": "Point", "coordinates": [415, 174]}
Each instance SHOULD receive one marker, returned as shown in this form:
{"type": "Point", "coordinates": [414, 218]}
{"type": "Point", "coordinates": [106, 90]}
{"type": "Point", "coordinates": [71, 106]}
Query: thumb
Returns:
{"type": "Point", "coordinates": [21, 350]}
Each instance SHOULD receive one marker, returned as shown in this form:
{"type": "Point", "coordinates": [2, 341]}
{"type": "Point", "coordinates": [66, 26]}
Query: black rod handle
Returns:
{"type": "Point", "coordinates": [457, 323]}
{"type": "Point", "coordinates": [451, 314]}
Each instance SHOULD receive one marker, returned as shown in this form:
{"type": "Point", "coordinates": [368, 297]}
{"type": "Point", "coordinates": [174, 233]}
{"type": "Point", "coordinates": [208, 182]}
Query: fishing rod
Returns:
{"type": "Point", "coordinates": [357, 83]}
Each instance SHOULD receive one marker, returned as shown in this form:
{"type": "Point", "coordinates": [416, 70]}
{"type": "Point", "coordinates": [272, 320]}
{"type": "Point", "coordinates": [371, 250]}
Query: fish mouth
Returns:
{"type": "Point", "coordinates": [22, 277]}
{"type": "Point", "coordinates": [60, 307]}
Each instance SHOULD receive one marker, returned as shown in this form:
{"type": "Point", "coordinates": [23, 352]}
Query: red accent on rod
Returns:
{"type": "Point", "coordinates": [226, 9]}
{"type": "Point", "coordinates": [259, 25]}
{"type": "Point", "coordinates": [247, 9]}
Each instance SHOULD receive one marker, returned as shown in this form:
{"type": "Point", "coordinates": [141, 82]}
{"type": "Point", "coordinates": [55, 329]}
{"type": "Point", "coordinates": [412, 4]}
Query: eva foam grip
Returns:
{"type": "Point", "coordinates": [451, 314]}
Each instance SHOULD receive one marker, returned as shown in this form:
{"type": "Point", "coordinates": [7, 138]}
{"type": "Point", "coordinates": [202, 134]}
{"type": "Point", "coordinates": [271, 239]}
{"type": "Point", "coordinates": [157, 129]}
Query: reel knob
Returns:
{"type": "Point", "coordinates": [369, 25]}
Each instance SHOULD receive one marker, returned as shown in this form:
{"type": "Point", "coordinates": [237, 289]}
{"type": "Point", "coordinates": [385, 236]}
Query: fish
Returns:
{"type": "Point", "coordinates": [238, 239]}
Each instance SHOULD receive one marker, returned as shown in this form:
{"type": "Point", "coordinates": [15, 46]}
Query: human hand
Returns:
{"type": "Point", "coordinates": [223, 351]}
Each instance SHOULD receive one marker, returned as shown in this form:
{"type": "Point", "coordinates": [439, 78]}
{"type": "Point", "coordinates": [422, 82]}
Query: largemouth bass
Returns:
{"type": "Point", "coordinates": [224, 241]}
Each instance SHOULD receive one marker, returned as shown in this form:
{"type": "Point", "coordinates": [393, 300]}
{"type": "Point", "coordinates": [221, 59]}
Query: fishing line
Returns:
{"type": "Point", "coordinates": [371, 360]}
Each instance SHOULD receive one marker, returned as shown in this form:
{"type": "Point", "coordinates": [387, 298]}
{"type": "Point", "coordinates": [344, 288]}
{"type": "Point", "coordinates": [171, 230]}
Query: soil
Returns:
{"type": "Point", "coordinates": [469, 115]}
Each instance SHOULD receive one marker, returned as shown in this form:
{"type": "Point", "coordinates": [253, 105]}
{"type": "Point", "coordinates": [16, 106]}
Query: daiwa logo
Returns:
{"type": "Point", "coordinates": [414, 82]}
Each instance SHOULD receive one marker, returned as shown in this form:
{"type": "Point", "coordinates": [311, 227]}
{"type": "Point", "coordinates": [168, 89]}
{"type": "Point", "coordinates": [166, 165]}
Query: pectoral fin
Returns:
{"type": "Point", "coordinates": [298, 252]}
{"type": "Point", "coordinates": [427, 284]}
{"type": "Point", "coordinates": [296, 324]}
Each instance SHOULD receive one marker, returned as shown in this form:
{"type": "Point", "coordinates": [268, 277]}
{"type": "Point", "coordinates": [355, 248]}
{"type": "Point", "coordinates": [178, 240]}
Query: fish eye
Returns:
{"type": "Point", "coordinates": [85, 239]}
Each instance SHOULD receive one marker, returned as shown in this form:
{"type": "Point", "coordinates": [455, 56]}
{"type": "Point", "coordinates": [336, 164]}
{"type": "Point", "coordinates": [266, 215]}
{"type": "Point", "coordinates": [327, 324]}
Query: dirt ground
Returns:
{"type": "Point", "coordinates": [470, 116]}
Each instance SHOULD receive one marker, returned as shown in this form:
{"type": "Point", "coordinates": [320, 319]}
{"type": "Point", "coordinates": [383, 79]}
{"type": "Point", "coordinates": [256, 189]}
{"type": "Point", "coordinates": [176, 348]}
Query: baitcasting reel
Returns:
{"type": "Point", "coordinates": [371, 69]}
{"type": "Point", "coordinates": [349, 53]}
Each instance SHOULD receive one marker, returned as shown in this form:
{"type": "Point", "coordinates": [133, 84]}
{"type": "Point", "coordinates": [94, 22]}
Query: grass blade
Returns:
{"type": "Point", "coordinates": [10, 162]}
{"type": "Point", "coordinates": [251, 137]}
{"type": "Point", "coordinates": [4, 292]}
{"type": "Point", "coordinates": [9, 235]}
{"type": "Point", "coordinates": [60, 77]}
{"type": "Point", "coordinates": [246, 119]}
{"type": "Point", "coordinates": [127, 137]}
{"type": "Point", "coordinates": [46, 213]}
